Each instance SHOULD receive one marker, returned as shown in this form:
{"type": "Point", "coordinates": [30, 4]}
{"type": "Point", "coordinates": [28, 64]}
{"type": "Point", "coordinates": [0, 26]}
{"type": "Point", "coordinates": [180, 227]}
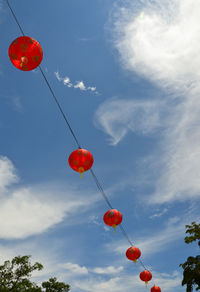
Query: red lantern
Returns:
{"type": "Point", "coordinates": [25, 53]}
{"type": "Point", "coordinates": [112, 218]}
{"type": "Point", "coordinates": [81, 160]}
{"type": "Point", "coordinates": [133, 253]}
{"type": "Point", "coordinates": [155, 289]}
{"type": "Point", "coordinates": [145, 276]}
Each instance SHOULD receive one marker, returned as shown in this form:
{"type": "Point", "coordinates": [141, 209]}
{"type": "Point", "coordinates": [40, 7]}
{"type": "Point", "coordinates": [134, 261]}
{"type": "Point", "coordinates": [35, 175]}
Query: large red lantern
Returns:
{"type": "Point", "coordinates": [112, 218]}
{"type": "Point", "coordinates": [25, 53]}
{"type": "Point", "coordinates": [155, 289]}
{"type": "Point", "coordinates": [145, 276]}
{"type": "Point", "coordinates": [81, 160]}
{"type": "Point", "coordinates": [133, 253]}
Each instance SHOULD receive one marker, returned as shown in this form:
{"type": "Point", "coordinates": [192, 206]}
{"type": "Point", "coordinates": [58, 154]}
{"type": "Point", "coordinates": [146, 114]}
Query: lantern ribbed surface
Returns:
{"type": "Point", "coordinates": [25, 53]}
{"type": "Point", "coordinates": [133, 253]}
{"type": "Point", "coordinates": [81, 160]}
{"type": "Point", "coordinates": [112, 217]}
{"type": "Point", "coordinates": [145, 276]}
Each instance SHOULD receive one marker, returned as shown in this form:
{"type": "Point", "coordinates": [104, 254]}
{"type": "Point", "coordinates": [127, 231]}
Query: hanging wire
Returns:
{"type": "Point", "coordinates": [15, 18]}
{"type": "Point", "coordinates": [59, 106]}
{"type": "Point", "coordinates": [49, 86]}
{"type": "Point", "coordinates": [75, 138]}
{"type": "Point", "coordinates": [101, 189]}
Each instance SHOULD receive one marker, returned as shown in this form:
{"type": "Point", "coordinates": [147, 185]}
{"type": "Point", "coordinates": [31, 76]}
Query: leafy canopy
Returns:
{"type": "Point", "coordinates": [15, 274]}
{"type": "Point", "coordinates": [191, 268]}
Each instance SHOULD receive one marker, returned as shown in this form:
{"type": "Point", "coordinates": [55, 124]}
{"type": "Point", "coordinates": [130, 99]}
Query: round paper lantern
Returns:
{"type": "Point", "coordinates": [133, 253]}
{"type": "Point", "coordinates": [25, 53]}
{"type": "Point", "coordinates": [80, 160]}
{"type": "Point", "coordinates": [155, 289]}
{"type": "Point", "coordinates": [112, 218]}
{"type": "Point", "coordinates": [145, 276]}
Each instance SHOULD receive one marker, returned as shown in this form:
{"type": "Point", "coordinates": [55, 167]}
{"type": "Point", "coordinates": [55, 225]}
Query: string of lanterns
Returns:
{"type": "Point", "coordinates": [26, 54]}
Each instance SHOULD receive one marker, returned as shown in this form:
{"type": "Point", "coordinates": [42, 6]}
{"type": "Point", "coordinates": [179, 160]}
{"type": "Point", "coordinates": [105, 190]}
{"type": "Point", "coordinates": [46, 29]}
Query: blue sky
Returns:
{"type": "Point", "coordinates": [126, 74]}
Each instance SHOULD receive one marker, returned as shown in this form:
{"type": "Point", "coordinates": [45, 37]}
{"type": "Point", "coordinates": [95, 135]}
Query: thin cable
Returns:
{"type": "Point", "coordinates": [131, 243]}
{"type": "Point", "coordinates": [45, 78]}
{"type": "Point", "coordinates": [58, 104]}
{"type": "Point", "coordinates": [15, 18]}
{"type": "Point", "coordinates": [74, 136]}
{"type": "Point", "coordinates": [109, 204]}
{"type": "Point", "coordinates": [101, 189]}
{"type": "Point", "coordinates": [125, 234]}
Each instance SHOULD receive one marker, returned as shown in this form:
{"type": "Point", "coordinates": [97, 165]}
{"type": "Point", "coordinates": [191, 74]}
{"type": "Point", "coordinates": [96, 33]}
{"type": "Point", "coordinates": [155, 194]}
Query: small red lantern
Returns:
{"type": "Point", "coordinates": [133, 253]}
{"type": "Point", "coordinates": [81, 160]}
{"type": "Point", "coordinates": [155, 289]}
{"type": "Point", "coordinates": [112, 218]}
{"type": "Point", "coordinates": [146, 276]}
{"type": "Point", "coordinates": [25, 53]}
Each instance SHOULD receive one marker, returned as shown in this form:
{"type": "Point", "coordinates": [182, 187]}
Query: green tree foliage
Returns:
{"type": "Point", "coordinates": [15, 274]}
{"type": "Point", "coordinates": [53, 286]}
{"type": "Point", "coordinates": [191, 268]}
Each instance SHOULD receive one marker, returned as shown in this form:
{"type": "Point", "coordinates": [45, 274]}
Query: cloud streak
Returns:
{"type": "Point", "coordinates": [127, 282]}
{"type": "Point", "coordinates": [163, 44]}
{"type": "Point", "coordinates": [160, 41]}
{"type": "Point", "coordinates": [162, 240]}
{"type": "Point", "coordinates": [78, 84]}
{"type": "Point", "coordinates": [117, 117]}
{"type": "Point", "coordinates": [7, 174]}
{"type": "Point", "coordinates": [32, 210]}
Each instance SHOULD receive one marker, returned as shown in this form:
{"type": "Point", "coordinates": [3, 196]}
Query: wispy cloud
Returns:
{"type": "Point", "coordinates": [78, 84]}
{"type": "Point", "coordinates": [75, 268]}
{"type": "Point", "coordinates": [29, 210]}
{"type": "Point", "coordinates": [108, 270]}
{"type": "Point", "coordinates": [159, 214]}
{"type": "Point", "coordinates": [83, 278]}
{"type": "Point", "coordinates": [160, 41]}
{"type": "Point", "coordinates": [128, 282]}
{"type": "Point", "coordinates": [161, 240]}
{"type": "Point", "coordinates": [155, 46]}
{"type": "Point", "coordinates": [8, 174]}
{"type": "Point", "coordinates": [117, 117]}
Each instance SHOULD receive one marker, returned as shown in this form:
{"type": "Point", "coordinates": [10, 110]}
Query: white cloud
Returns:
{"type": "Point", "coordinates": [7, 173]}
{"type": "Point", "coordinates": [108, 270]}
{"type": "Point", "coordinates": [67, 82]}
{"type": "Point", "coordinates": [161, 213]}
{"type": "Point", "coordinates": [127, 283]}
{"type": "Point", "coordinates": [180, 163]}
{"type": "Point", "coordinates": [160, 41]}
{"type": "Point", "coordinates": [117, 117]}
{"type": "Point", "coordinates": [32, 210]}
{"type": "Point", "coordinates": [160, 240]}
{"type": "Point", "coordinates": [23, 214]}
{"type": "Point", "coordinates": [82, 278]}
{"type": "Point", "coordinates": [58, 76]}
{"type": "Point", "coordinates": [162, 45]}
{"type": "Point", "coordinates": [79, 84]}
{"type": "Point", "coordinates": [92, 88]}
{"type": "Point", "coordinates": [75, 268]}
